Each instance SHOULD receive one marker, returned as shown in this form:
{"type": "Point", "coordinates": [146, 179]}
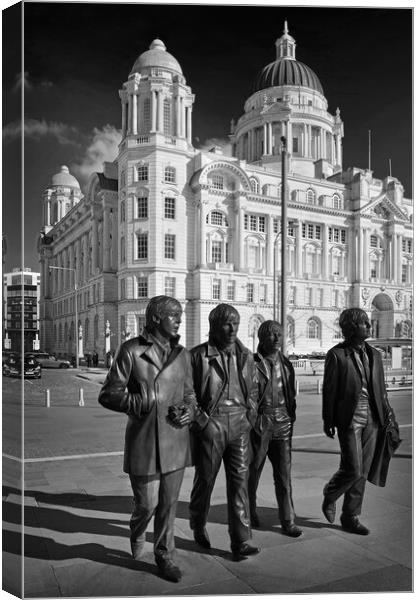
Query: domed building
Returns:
{"type": "Point", "coordinates": [166, 218]}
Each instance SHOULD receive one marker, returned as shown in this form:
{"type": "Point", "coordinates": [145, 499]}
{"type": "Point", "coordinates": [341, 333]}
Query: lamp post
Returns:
{"type": "Point", "coordinates": [284, 232]}
{"type": "Point", "coordinates": [76, 327]}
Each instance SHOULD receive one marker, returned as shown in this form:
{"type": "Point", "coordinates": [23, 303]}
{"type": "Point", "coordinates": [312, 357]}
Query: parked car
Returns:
{"type": "Point", "coordinates": [14, 364]}
{"type": "Point", "coordinates": [48, 361]}
{"type": "Point", "coordinates": [6, 354]}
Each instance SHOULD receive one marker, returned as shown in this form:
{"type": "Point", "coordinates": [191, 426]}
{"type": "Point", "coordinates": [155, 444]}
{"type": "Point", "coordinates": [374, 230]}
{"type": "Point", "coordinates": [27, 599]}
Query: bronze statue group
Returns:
{"type": "Point", "coordinates": [220, 403]}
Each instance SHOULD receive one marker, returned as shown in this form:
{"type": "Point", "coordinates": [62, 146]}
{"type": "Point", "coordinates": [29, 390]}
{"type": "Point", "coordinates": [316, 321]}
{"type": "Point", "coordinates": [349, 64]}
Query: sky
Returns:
{"type": "Point", "coordinates": [78, 55]}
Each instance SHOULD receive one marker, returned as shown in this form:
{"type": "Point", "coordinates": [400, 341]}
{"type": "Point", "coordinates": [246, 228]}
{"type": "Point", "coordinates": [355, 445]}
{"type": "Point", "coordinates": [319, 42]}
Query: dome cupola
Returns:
{"type": "Point", "coordinates": [64, 178]}
{"type": "Point", "coordinates": [286, 70]}
{"type": "Point", "coordinates": [156, 58]}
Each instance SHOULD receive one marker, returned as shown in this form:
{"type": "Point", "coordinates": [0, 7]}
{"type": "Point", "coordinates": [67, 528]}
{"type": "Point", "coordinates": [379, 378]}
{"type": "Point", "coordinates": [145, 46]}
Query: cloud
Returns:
{"type": "Point", "coordinates": [36, 130]}
{"type": "Point", "coordinates": [222, 143]}
{"type": "Point", "coordinates": [22, 79]}
{"type": "Point", "coordinates": [103, 147]}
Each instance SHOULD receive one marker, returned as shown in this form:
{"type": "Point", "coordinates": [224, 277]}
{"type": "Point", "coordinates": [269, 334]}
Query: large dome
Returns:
{"type": "Point", "coordinates": [287, 72]}
{"type": "Point", "coordinates": [156, 57]}
{"type": "Point", "coordinates": [64, 178]}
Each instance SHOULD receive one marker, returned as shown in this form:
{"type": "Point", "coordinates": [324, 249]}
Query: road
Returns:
{"type": "Point", "coordinates": [65, 428]}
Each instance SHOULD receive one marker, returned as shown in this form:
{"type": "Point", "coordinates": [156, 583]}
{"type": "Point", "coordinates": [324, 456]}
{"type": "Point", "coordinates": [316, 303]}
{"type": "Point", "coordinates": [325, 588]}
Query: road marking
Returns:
{"type": "Point", "coordinates": [120, 453]}
{"type": "Point", "coordinates": [68, 457]}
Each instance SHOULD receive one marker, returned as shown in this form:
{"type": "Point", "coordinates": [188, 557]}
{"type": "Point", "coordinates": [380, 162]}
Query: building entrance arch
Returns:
{"type": "Point", "coordinates": [382, 316]}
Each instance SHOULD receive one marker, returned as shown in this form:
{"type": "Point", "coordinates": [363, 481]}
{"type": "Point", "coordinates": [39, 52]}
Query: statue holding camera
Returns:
{"type": "Point", "coordinates": [151, 381]}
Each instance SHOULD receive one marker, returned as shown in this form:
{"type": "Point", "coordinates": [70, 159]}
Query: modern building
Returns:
{"type": "Point", "coordinates": [166, 218]}
{"type": "Point", "coordinates": [21, 295]}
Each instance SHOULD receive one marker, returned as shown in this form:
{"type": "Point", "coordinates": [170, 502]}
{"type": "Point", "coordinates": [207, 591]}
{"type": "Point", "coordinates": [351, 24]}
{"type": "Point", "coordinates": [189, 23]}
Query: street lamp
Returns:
{"type": "Point", "coordinates": [76, 328]}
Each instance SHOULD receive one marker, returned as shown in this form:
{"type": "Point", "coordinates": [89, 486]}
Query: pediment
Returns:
{"type": "Point", "coordinates": [384, 208]}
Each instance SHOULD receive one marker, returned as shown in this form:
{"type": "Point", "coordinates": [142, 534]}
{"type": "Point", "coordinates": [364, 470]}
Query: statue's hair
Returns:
{"type": "Point", "coordinates": [349, 319]}
{"type": "Point", "coordinates": [159, 306]}
{"type": "Point", "coordinates": [265, 329]}
{"type": "Point", "coordinates": [219, 315]}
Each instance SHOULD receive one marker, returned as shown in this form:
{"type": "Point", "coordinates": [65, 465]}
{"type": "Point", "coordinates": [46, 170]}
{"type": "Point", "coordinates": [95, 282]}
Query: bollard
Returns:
{"type": "Point", "coordinates": [81, 398]}
{"type": "Point", "coordinates": [297, 386]}
{"type": "Point", "coordinates": [319, 386]}
{"type": "Point", "coordinates": [47, 399]}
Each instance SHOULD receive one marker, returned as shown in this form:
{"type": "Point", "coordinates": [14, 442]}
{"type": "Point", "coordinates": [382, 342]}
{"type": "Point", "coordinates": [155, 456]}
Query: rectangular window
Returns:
{"type": "Point", "coordinates": [170, 286]}
{"type": "Point", "coordinates": [122, 289]}
{"type": "Point", "coordinates": [142, 245]}
{"type": "Point", "coordinates": [319, 297]}
{"type": "Point", "coordinates": [170, 175]}
{"type": "Point", "coordinates": [142, 208]}
{"type": "Point", "coordinates": [407, 245]}
{"type": "Point", "coordinates": [122, 212]}
{"type": "Point", "coordinates": [216, 252]}
{"type": "Point", "coordinates": [169, 208]}
{"type": "Point", "coordinates": [276, 225]}
{"type": "Point", "coordinates": [216, 289]}
{"type": "Point", "coordinates": [295, 145]}
{"type": "Point", "coordinates": [169, 245]}
{"type": "Point", "coordinates": [291, 297]}
{"type": "Point", "coordinates": [250, 292]}
{"type": "Point", "coordinates": [142, 172]}
{"type": "Point", "coordinates": [231, 291]}
{"type": "Point", "coordinates": [246, 221]}
{"type": "Point", "coordinates": [336, 235]}
{"type": "Point", "coordinates": [373, 272]}
{"type": "Point", "coordinates": [253, 223]}
{"type": "Point", "coordinates": [404, 273]}
{"type": "Point", "coordinates": [309, 296]}
{"type": "Point", "coordinates": [142, 287]}
{"type": "Point", "coordinates": [122, 249]}
{"type": "Point", "coordinates": [262, 224]}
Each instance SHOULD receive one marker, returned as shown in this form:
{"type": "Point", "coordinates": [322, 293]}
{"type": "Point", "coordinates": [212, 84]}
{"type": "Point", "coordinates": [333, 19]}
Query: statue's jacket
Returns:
{"type": "Point", "coordinates": [140, 386]}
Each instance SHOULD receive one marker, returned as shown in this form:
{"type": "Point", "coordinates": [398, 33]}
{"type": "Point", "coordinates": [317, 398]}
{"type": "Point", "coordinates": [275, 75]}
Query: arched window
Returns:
{"type": "Point", "coordinates": [170, 175]}
{"type": "Point", "coordinates": [217, 218]}
{"type": "Point", "coordinates": [310, 196]}
{"type": "Point", "coordinates": [313, 329]}
{"type": "Point", "coordinates": [122, 212]}
{"type": "Point", "coordinates": [265, 189]}
{"type": "Point", "coordinates": [336, 201]}
{"type": "Point", "coordinates": [254, 185]}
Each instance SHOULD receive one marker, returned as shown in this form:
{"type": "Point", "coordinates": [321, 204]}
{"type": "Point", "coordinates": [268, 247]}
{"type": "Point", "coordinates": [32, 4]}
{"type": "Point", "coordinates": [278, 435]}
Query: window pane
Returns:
{"type": "Point", "coordinates": [142, 245]}
{"type": "Point", "coordinates": [142, 287]}
{"type": "Point", "coordinates": [142, 208]}
{"type": "Point", "coordinates": [169, 208]}
{"type": "Point", "coordinates": [216, 252]}
{"type": "Point", "coordinates": [169, 245]}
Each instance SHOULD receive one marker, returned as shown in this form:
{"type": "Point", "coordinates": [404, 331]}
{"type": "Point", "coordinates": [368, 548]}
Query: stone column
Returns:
{"type": "Point", "coordinates": [325, 267]}
{"type": "Point", "coordinates": [182, 118]}
{"type": "Point", "coordinates": [124, 118]}
{"type": "Point", "coordinates": [309, 135]}
{"type": "Point", "coordinates": [269, 136]}
{"type": "Point", "coordinates": [298, 250]}
{"type": "Point", "coordinates": [48, 217]}
{"type": "Point", "coordinates": [129, 113]}
{"type": "Point", "coordinates": [399, 258]}
{"type": "Point", "coordinates": [153, 111]}
{"type": "Point", "coordinates": [189, 113]}
{"type": "Point", "coordinates": [134, 114]}
{"type": "Point", "coordinates": [367, 269]}
{"type": "Point", "coordinates": [265, 138]}
{"type": "Point", "coordinates": [203, 250]}
{"type": "Point", "coordinates": [177, 114]}
{"type": "Point", "coordinates": [289, 139]}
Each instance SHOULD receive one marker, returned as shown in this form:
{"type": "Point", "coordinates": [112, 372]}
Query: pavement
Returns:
{"type": "Point", "coordinates": [78, 503]}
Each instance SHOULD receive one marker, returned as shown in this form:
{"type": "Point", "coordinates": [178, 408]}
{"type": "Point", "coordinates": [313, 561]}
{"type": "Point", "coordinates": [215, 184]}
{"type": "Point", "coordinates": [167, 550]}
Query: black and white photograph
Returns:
{"type": "Point", "coordinates": [207, 332]}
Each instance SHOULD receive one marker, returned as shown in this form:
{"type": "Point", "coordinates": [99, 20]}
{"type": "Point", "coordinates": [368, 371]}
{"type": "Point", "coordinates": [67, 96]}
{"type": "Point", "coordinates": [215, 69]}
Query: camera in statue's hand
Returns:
{"type": "Point", "coordinates": [179, 415]}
